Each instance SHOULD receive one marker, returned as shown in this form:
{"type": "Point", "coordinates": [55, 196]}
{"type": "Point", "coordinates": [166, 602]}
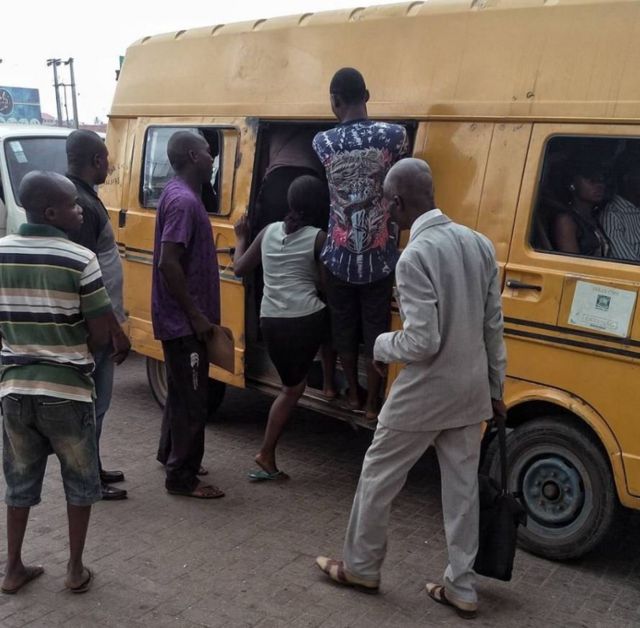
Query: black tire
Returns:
{"type": "Point", "coordinates": [566, 485]}
{"type": "Point", "coordinates": [157, 378]}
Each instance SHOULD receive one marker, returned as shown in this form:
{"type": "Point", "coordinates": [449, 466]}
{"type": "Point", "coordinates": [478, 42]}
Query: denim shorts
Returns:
{"type": "Point", "coordinates": [35, 426]}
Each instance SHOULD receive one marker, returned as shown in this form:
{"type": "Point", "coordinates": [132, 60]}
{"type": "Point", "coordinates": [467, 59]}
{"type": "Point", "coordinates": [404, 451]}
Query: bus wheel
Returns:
{"type": "Point", "coordinates": [566, 486]}
{"type": "Point", "coordinates": [157, 378]}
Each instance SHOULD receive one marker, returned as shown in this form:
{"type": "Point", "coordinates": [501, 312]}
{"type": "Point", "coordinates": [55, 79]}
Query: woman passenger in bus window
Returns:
{"type": "Point", "coordinates": [293, 318]}
{"type": "Point", "coordinates": [575, 226]}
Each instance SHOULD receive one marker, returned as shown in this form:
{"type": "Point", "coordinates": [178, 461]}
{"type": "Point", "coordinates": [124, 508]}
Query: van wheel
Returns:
{"type": "Point", "coordinates": [566, 486]}
{"type": "Point", "coordinates": [157, 377]}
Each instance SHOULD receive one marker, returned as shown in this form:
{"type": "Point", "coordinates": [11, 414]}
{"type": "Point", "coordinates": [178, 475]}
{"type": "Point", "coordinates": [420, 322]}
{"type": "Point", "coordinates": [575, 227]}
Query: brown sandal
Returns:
{"type": "Point", "coordinates": [437, 593]}
{"type": "Point", "coordinates": [336, 571]}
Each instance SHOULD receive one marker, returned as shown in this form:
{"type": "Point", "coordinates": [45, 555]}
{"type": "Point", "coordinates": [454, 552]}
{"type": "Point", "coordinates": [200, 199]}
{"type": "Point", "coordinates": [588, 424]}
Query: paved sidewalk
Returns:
{"type": "Point", "coordinates": [247, 560]}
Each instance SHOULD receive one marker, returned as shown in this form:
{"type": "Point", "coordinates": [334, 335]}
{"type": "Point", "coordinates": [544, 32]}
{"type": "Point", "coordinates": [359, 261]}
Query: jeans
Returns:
{"type": "Point", "coordinates": [103, 382]}
{"type": "Point", "coordinates": [35, 426]}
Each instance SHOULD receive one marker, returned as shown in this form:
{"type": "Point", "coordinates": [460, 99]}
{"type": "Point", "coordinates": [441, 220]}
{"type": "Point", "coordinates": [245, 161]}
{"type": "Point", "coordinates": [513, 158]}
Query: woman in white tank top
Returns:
{"type": "Point", "coordinates": [293, 318]}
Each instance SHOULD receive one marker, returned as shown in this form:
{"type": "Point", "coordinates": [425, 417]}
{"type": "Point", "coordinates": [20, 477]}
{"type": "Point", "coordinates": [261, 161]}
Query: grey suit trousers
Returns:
{"type": "Point", "coordinates": [384, 472]}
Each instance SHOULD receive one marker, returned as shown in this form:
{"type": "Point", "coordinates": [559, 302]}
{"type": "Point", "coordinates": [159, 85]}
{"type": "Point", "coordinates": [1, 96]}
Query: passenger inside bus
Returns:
{"type": "Point", "coordinates": [589, 198]}
{"type": "Point", "coordinates": [290, 157]}
{"type": "Point", "coordinates": [575, 224]}
{"type": "Point", "coordinates": [621, 216]}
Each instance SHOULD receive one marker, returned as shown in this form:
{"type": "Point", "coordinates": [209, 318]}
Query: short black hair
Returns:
{"type": "Point", "coordinates": [308, 199]}
{"type": "Point", "coordinates": [179, 145]}
{"type": "Point", "coordinates": [82, 147]}
{"type": "Point", "coordinates": [349, 84]}
{"type": "Point", "coordinates": [39, 190]}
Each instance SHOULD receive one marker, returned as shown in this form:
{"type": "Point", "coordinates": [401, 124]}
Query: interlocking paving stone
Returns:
{"type": "Point", "coordinates": [247, 560]}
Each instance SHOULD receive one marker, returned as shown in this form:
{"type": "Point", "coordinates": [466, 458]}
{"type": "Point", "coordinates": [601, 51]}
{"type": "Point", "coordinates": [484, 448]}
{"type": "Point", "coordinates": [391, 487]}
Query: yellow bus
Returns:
{"type": "Point", "coordinates": [501, 98]}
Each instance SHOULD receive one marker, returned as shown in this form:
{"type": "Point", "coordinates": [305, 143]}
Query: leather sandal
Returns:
{"type": "Point", "coordinates": [438, 593]}
{"type": "Point", "coordinates": [336, 571]}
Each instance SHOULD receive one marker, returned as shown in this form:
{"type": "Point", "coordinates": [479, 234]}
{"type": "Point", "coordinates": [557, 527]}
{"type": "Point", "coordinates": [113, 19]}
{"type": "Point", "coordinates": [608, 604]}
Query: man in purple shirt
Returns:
{"type": "Point", "coordinates": [185, 306]}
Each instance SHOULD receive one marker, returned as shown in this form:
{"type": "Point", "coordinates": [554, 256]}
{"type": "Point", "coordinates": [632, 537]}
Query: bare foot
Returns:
{"type": "Point", "coordinates": [18, 578]}
{"type": "Point", "coordinates": [266, 463]}
{"type": "Point", "coordinates": [330, 393]}
{"type": "Point", "coordinates": [371, 410]}
{"type": "Point", "coordinates": [356, 399]}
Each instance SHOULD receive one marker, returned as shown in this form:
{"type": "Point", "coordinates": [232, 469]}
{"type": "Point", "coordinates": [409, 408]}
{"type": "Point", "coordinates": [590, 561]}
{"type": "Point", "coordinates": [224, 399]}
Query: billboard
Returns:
{"type": "Point", "coordinates": [20, 105]}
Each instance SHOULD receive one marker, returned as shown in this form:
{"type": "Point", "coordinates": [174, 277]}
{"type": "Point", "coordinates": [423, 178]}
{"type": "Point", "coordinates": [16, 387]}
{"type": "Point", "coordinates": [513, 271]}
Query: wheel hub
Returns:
{"type": "Point", "coordinates": [552, 491]}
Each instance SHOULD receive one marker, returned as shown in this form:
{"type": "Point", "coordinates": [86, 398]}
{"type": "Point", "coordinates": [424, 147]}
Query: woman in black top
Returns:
{"type": "Point", "coordinates": [574, 227]}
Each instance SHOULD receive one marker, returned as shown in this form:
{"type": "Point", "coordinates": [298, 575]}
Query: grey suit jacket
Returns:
{"type": "Point", "coordinates": [451, 343]}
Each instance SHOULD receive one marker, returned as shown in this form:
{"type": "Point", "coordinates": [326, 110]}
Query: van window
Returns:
{"type": "Point", "coordinates": [26, 154]}
{"type": "Point", "coordinates": [588, 200]}
{"type": "Point", "coordinates": [157, 170]}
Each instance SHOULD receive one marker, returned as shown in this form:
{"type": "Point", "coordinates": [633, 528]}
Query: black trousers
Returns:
{"type": "Point", "coordinates": [182, 437]}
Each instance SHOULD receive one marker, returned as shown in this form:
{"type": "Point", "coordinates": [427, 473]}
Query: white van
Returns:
{"type": "Point", "coordinates": [23, 149]}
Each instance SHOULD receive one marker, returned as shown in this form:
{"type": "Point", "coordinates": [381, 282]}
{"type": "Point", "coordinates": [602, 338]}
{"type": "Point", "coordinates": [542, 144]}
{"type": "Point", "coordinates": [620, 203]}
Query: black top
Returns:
{"type": "Point", "coordinates": [592, 241]}
{"type": "Point", "coordinates": [94, 215]}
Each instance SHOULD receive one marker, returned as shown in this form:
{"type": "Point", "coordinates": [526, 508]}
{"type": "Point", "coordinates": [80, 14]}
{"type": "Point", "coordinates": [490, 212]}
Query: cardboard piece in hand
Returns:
{"type": "Point", "coordinates": [221, 348]}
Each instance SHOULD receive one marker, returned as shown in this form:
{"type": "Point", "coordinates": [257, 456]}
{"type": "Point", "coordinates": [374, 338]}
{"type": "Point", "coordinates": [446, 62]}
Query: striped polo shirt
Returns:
{"type": "Point", "coordinates": [621, 222]}
{"type": "Point", "coordinates": [49, 286]}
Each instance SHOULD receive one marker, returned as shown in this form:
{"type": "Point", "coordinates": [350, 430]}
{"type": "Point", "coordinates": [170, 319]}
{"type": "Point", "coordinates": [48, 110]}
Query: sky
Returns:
{"type": "Point", "coordinates": [96, 34]}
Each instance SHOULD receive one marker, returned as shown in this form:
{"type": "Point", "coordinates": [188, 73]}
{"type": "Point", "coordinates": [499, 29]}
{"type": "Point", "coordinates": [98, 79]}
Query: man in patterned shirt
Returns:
{"type": "Point", "coordinates": [361, 249]}
{"type": "Point", "coordinates": [54, 313]}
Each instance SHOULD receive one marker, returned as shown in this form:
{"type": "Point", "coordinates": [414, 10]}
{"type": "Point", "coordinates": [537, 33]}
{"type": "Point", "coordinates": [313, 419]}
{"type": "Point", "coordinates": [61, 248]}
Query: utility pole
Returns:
{"type": "Point", "coordinates": [55, 63]}
{"type": "Point", "coordinates": [66, 108]}
{"type": "Point", "coordinates": [74, 100]}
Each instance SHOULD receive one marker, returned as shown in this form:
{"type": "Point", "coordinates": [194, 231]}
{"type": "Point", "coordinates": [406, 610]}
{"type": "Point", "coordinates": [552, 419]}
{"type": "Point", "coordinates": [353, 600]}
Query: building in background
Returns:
{"type": "Point", "coordinates": [20, 105]}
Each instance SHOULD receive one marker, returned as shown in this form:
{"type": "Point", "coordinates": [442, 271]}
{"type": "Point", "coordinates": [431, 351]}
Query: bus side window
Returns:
{"type": "Point", "coordinates": [589, 198]}
{"type": "Point", "coordinates": [157, 170]}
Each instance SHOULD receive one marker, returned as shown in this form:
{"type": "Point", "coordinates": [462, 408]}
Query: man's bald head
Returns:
{"type": "Point", "coordinates": [410, 178]}
{"type": "Point", "coordinates": [50, 198]}
{"type": "Point", "coordinates": [182, 147]}
{"type": "Point", "coordinates": [408, 187]}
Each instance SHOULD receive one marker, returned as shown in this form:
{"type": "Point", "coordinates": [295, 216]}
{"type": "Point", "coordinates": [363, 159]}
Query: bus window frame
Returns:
{"type": "Point", "coordinates": [226, 133]}
{"type": "Point", "coordinates": [538, 191]}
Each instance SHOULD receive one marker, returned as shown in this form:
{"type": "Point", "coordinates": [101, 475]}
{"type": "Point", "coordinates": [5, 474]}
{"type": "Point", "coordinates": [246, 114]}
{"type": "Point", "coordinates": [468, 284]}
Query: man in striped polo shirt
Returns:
{"type": "Point", "coordinates": [54, 312]}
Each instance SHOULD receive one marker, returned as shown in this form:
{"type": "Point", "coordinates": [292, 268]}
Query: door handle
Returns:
{"type": "Point", "coordinates": [520, 285]}
{"type": "Point", "coordinates": [122, 218]}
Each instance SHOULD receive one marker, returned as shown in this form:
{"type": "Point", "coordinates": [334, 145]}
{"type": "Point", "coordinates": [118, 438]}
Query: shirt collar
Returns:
{"type": "Point", "coordinates": [32, 229]}
{"type": "Point", "coordinates": [424, 221]}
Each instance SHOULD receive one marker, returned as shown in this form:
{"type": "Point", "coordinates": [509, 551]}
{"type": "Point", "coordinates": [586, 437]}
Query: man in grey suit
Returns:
{"type": "Point", "coordinates": [452, 349]}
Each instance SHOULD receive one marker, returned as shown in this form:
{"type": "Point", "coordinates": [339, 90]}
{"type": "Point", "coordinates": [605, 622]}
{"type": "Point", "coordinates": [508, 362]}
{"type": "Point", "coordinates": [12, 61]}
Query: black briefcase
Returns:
{"type": "Point", "coordinates": [500, 515]}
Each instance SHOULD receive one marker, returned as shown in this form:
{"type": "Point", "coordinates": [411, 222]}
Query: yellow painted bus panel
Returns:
{"type": "Point", "coordinates": [487, 85]}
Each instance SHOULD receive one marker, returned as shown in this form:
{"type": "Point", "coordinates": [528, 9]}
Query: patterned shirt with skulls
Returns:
{"type": "Point", "coordinates": [361, 242]}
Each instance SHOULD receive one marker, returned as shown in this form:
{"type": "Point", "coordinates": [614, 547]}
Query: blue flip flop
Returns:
{"type": "Point", "coordinates": [261, 476]}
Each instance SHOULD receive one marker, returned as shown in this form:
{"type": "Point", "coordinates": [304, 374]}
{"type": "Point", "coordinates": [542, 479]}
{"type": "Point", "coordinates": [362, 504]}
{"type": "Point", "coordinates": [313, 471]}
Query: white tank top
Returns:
{"type": "Point", "coordinates": [290, 272]}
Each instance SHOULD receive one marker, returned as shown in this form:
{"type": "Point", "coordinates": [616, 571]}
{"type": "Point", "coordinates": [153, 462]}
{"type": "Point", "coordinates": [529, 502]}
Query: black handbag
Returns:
{"type": "Point", "coordinates": [500, 515]}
